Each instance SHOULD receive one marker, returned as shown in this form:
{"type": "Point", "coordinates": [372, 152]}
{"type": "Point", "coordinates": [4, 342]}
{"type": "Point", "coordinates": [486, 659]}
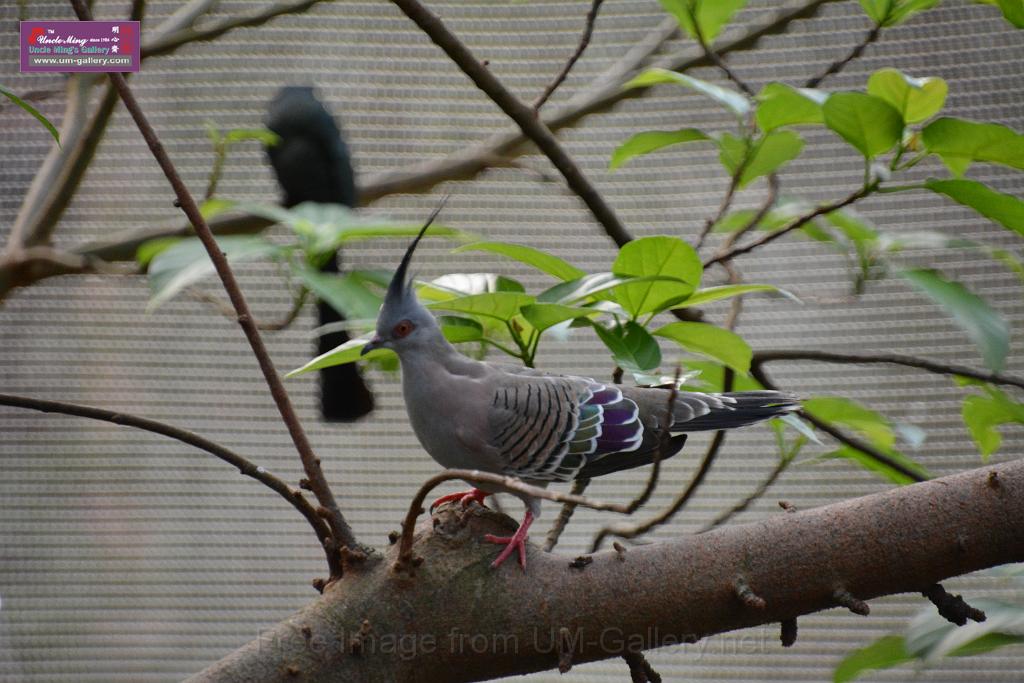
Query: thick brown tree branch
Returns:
{"type": "Point", "coordinates": [244, 466]}
{"type": "Point", "coordinates": [901, 541]}
{"type": "Point", "coordinates": [342, 535]}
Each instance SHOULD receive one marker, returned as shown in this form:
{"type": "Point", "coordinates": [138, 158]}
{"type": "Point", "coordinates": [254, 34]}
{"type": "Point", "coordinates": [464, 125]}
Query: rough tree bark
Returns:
{"type": "Point", "coordinates": [456, 620]}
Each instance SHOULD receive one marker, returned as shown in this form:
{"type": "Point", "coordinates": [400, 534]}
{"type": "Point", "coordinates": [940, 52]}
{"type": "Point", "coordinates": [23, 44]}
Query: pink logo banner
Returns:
{"type": "Point", "coordinates": [79, 46]}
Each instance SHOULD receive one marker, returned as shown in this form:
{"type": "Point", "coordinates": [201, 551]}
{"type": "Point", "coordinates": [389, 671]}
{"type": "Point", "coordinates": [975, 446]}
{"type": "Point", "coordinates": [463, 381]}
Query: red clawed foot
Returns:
{"type": "Point", "coordinates": [464, 497]}
{"type": "Point", "coordinates": [514, 543]}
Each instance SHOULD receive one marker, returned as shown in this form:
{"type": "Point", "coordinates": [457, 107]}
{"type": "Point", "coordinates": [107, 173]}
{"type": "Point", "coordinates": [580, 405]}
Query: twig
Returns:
{"type": "Point", "coordinates": [838, 65]}
{"type": "Point", "coordinates": [787, 632]}
{"type": "Point", "coordinates": [172, 42]}
{"type": "Point", "coordinates": [758, 373]}
{"type": "Point", "coordinates": [768, 356]}
{"type": "Point", "coordinates": [762, 211]}
{"type": "Point", "coordinates": [727, 254]}
{"type": "Point", "coordinates": [741, 506]}
{"type": "Point", "coordinates": [564, 515]}
{"type": "Point", "coordinates": [523, 115]}
{"type": "Point", "coordinates": [225, 309]}
{"type": "Point", "coordinates": [714, 58]}
{"type": "Point", "coordinates": [730, 193]}
{"type": "Point", "coordinates": [952, 608]}
{"type": "Point", "coordinates": [846, 599]}
{"type": "Point", "coordinates": [341, 531]}
{"type": "Point", "coordinates": [678, 504]}
{"type": "Point", "coordinates": [640, 670]}
{"type": "Point", "coordinates": [507, 484]}
{"type": "Point", "coordinates": [588, 31]}
{"type": "Point", "coordinates": [244, 466]}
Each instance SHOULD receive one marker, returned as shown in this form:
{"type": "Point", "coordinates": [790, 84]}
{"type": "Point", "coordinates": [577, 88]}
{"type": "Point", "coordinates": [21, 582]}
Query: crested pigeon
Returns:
{"type": "Point", "coordinates": [536, 426]}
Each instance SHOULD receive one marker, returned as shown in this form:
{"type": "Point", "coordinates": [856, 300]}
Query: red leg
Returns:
{"type": "Point", "coordinates": [464, 497]}
{"type": "Point", "coordinates": [516, 542]}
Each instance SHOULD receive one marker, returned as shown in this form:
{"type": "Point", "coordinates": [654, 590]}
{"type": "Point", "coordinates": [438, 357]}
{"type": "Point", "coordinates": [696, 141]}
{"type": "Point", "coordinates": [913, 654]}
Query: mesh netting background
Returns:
{"type": "Point", "coordinates": [124, 556]}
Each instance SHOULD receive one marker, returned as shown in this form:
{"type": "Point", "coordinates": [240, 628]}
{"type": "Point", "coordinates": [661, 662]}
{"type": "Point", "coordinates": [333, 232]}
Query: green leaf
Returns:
{"type": "Point", "coordinates": [657, 256]}
{"type": "Point", "coordinates": [736, 102]}
{"type": "Point", "coordinates": [872, 465]}
{"type": "Point", "coordinates": [459, 330]}
{"type": "Point", "coordinates": [346, 294]}
{"type": "Point", "coordinates": [633, 348]}
{"type": "Point", "coordinates": [454, 285]}
{"type": "Point", "coordinates": [651, 141]}
{"type": "Point", "coordinates": [9, 94]}
{"type": "Point", "coordinates": [711, 15]}
{"type": "Point", "coordinates": [711, 377]}
{"type": "Point", "coordinates": [711, 341]}
{"type": "Point", "coordinates": [916, 99]}
{"type": "Point", "coordinates": [987, 328]}
{"type": "Point", "coordinates": [842, 411]}
{"type": "Point", "coordinates": [502, 306]}
{"type": "Point", "coordinates": [186, 263]}
{"type": "Point", "coordinates": [709, 294]}
{"type": "Point", "coordinates": [960, 142]}
{"type": "Point", "coordinates": [930, 637]}
{"type": "Point", "coordinates": [541, 260]}
{"type": "Point", "coordinates": [149, 249]}
{"type": "Point", "coordinates": [868, 123]}
{"type": "Point", "coordinates": [768, 153]}
{"type": "Point", "coordinates": [349, 352]}
{"type": "Point", "coordinates": [884, 653]}
{"type": "Point", "coordinates": [1013, 10]}
{"type": "Point", "coordinates": [543, 315]}
{"type": "Point", "coordinates": [892, 12]}
{"type": "Point", "coordinates": [1004, 209]}
{"type": "Point", "coordinates": [983, 414]}
{"type": "Point", "coordinates": [263, 135]}
{"type": "Point", "coordinates": [783, 105]}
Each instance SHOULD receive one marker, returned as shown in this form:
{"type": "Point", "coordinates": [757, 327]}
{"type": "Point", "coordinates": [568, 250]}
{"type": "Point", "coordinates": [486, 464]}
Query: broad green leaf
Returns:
{"type": "Point", "coordinates": [868, 123]}
{"type": "Point", "coordinates": [651, 141]}
{"type": "Point", "coordinates": [892, 12]}
{"type": "Point", "coordinates": [767, 155]}
{"type": "Point", "coordinates": [214, 206]}
{"type": "Point", "coordinates": [709, 294]}
{"type": "Point", "coordinates": [711, 15]}
{"type": "Point", "coordinates": [458, 330]}
{"type": "Point", "coordinates": [1004, 209]}
{"type": "Point", "coordinates": [186, 263]}
{"type": "Point", "coordinates": [984, 414]}
{"type": "Point", "coordinates": [454, 285]}
{"type": "Point", "coordinates": [710, 376]}
{"type": "Point", "coordinates": [844, 412]}
{"type": "Point", "coordinates": [960, 142]}
{"type": "Point", "coordinates": [777, 217]}
{"type": "Point", "coordinates": [346, 294]}
{"type": "Point", "coordinates": [1013, 10]}
{"type": "Point", "coordinates": [581, 288]}
{"type": "Point", "coordinates": [873, 465]}
{"type": "Point", "coordinates": [884, 653]}
{"type": "Point", "coordinates": [633, 348]}
{"type": "Point", "coordinates": [541, 260]}
{"type": "Point", "coordinates": [149, 249]}
{"type": "Point", "coordinates": [783, 105]}
{"type": "Point", "coordinates": [349, 352]}
{"type": "Point", "coordinates": [916, 99]}
{"type": "Point", "coordinates": [736, 102]}
{"type": "Point", "coordinates": [798, 425]}
{"type": "Point", "coordinates": [9, 94]}
{"type": "Point", "coordinates": [657, 256]}
{"type": "Point", "coordinates": [987, 328]}
{"type": "Point", "coordinates": [502, 306]}
{"type": "Point", "coordinates": [930, 637]}
{"type": "Point", "coordinates": [711, 341]}
{"type": "Point", "coordinates": [263, 135]}
{"type": "Point", "coordinates": [543, 315]}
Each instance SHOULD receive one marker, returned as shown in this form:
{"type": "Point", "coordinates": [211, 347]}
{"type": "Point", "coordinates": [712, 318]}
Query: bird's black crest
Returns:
{"type": "Point", "coordinates": [399, 286]}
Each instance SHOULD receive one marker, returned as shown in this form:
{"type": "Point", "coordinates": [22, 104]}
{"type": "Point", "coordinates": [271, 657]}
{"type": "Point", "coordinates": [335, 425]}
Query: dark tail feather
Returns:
{"type": "Point", "coordinates": [344, 396]}
{"type": "Point", "coordinates": [742, 408]}
{"type": "Point", "coordinates": [616, 462]}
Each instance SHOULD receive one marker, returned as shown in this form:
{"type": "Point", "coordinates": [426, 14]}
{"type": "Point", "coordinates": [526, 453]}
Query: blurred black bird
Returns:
{"type": "Point", "coordinates": [313, 164]}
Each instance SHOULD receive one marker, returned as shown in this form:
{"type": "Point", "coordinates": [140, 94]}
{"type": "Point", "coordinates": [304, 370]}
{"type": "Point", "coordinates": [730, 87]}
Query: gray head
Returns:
{"type": "Point", "coordinates": [403, 322]}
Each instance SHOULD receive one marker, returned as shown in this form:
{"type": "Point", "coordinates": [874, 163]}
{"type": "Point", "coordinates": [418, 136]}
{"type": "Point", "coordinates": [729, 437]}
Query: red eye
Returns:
{"type": "Point", "coordinates": [402, 329]}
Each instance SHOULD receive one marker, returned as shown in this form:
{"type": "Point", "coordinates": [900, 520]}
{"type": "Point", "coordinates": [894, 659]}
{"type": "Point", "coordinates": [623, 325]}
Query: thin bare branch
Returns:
{"type": "Point", "coordinates": [838, 65]}
{"type": "Point", "coordinates": [588, 31]}
{"type": "Point", "coordinates": [184, 17]}
{"type": "Point", "coordinates": [506, 484]}
{"type": "Point", "coordinates": [226, 310]}
{"type": "Point", "coordinates": [341, 531]}
{"type": "Point", "coordinates": [713, 56]}
{"type": "Point", "coordinates": [799, 222]}
{"type": "Point", "coordinates": [951, 369]}
{"type": "Point", "coordinates": [756, 494]}
{"type": "Point", "coordinates": [523, 115]}
{"type": "Point", "coordinates": [170, 43]}
{"type": "Point", "coordinates": [634, 530]}
{"type": "Point", "coordinates": [244, 466]}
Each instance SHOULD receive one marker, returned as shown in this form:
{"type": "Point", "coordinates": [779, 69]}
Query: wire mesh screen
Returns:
{"type": "Point", "coordinates": [127, 557]}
